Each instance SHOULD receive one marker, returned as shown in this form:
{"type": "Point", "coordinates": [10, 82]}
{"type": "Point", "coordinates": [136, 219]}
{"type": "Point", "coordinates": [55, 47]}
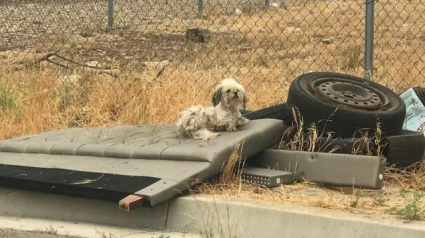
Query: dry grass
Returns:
{"type": "Point", "coordinates": [409, 178]}
{"type": "Point", "coordinates": [43, 101]}
{"type": "Point", "coordinates": [301, 137]}
{"type": "Point", "coordinates": [232, 169]}
{"type": "Point", "coordinates": [298, 139]}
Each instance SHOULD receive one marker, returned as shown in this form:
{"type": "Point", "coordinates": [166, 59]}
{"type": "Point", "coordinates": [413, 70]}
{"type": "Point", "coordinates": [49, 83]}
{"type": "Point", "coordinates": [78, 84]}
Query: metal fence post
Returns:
{"type": "Point", "coordinates": [200, 7]}
{"type": "Point", "coordinates": [370, 9]}
{"type": "Point", "coordinates": [110, 13]}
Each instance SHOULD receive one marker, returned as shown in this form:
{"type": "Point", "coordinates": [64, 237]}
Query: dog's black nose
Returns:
{"type": "Point", "coordinates": [235, 94]}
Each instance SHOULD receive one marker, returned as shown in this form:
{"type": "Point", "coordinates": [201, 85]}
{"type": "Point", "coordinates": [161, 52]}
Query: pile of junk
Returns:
{"type": "Point", "coordinates": [145, 165]}
{"type": "Point", "coordinates": [347, 110]}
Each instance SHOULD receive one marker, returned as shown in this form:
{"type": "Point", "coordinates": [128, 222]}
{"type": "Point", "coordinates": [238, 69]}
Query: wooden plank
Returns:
{"type": "Point", "coordinates": [131, 202]}
{"type": "Point", "coordinates": [103, 186]}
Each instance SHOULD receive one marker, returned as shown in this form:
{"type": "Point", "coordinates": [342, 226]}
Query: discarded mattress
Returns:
{"type": "Point", "coordinates": [111, 163]}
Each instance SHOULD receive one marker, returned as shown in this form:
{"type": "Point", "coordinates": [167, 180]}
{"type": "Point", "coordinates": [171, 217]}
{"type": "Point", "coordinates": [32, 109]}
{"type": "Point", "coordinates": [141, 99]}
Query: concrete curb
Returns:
{"type": "Point", "coordinates": [209, 215]}
{"type": "Point", "coordinates": [65, 228]}
{"type": "Point", "coordinates": [271, 220]}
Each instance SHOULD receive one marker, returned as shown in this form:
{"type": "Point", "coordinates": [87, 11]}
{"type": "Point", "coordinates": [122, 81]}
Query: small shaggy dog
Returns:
{"type": "Point", "coordinates": [204, 123]}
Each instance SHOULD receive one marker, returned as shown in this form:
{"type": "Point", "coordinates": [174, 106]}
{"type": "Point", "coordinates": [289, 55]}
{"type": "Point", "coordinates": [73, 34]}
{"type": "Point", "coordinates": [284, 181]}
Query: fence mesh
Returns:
{"type": "Point", "coordinates": [60, 59]}
{"type": "Point", "coordinates": [399, 43]}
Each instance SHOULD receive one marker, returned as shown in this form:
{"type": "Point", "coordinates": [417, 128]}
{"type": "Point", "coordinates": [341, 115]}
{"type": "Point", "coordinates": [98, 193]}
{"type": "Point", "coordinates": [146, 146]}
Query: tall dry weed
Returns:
{"type": "Point", "coordinates": [232, 169]}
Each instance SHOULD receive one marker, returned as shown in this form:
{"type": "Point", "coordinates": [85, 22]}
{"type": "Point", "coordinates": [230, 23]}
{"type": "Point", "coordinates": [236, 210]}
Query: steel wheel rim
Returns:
{"type": "Point", "coordinates": [351, 94]}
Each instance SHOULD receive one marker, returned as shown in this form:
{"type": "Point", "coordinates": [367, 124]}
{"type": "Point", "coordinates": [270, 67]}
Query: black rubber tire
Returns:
{"type": "Point", "coordinates": [401, 150]}
{"type": "Point", "coordinates": [339, 145]}
{"type": "Point", "coordinates": [405, 149]}
{"type": "Point", "coordinates": [280, 112]}
{"type": "Point", "coordinates": [345, 120]}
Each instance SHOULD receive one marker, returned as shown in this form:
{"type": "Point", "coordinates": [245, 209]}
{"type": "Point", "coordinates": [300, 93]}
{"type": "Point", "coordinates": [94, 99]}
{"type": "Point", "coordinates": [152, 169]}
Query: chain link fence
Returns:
{"type": "Point", "coordinates": [140, 61]}
{"type": "Point", "coordinates": [399, 43]}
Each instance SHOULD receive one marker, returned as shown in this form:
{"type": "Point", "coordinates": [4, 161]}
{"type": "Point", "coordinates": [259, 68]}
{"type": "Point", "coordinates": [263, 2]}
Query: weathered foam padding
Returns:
{"type": "Point", "coordinates": [151, 150]}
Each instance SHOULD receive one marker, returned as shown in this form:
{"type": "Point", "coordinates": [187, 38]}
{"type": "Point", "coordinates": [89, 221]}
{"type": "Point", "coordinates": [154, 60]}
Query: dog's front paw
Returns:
{"type": "Point", "coordinates": [231, 128]}
{"type": "Point", "coordinates": [242, 121]}
{"type": "Point", "coordinates": [210, 136]}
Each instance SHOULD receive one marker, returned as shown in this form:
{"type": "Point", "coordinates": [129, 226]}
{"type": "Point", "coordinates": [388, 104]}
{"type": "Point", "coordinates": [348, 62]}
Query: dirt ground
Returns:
{"type": "Point", "coordinates": [269, 46]}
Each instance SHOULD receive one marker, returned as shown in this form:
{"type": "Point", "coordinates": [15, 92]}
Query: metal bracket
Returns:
{"type": "Point", "coordinates": [333, 169]}
{"type": "Point", "coordinates": [268, 177]}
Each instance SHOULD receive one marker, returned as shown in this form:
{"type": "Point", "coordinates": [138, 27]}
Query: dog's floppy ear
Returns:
{"type": "Point", "coordinates": [216, 96]}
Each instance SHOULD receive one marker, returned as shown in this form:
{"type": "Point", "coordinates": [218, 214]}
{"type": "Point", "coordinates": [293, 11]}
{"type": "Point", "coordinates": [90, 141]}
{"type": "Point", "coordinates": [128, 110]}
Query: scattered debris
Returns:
{"type": "Point", "coordinates": [71, 78]}
{"type": "Point", "coordinates": [238, 11]}
{"type": "Point", "coordinates": [328, 40]}
{"type": "Point", "coordinates": [269, 177]}
{"type": "Point", "coordinates": [198, 35]}
{"type": "Point", "coordinates": [45, 57]}
{"type": "Point", "coordinates": [261, 29]}
{"type": "Point", "coordinates": [152, 64]}
{"type": "Point", "coordinates": [275, 4]}
{"type": "Point", "coordinates": [223, 29]}
{"type": "Point", "coordinates": [93, 64]}
{"type": "Point", "coordinates": [415, 110]}
{"type": "Point", "coordinates": [367, 170]}
{"type": "Point", "coordinates": [292, 29]}
{"type": "Point", "coordinates": [131, 202]}
{"type": "Point", "coordinates": [159, 66]}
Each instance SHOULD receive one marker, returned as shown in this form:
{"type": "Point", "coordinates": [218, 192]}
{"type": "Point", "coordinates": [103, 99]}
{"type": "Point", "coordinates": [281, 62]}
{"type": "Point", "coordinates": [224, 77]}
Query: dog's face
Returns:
{"type": "Point", "coordinates": [230, 94]}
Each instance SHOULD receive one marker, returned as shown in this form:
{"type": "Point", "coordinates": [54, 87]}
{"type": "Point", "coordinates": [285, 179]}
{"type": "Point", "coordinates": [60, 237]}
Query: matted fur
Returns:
{"type": "Point", "coordinates": [199, 122]}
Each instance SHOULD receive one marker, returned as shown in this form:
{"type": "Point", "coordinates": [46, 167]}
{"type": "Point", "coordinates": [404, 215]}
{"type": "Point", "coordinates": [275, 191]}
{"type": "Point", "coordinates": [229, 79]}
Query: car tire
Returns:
{"type": "Point", "coordinates": [346, 105]}
{"type": "Point", "coordinates": [401, 150]}
{"type": "Point", "coordinates": [405, 149]}
{"type": "Point", "coordinates": [341, 145]}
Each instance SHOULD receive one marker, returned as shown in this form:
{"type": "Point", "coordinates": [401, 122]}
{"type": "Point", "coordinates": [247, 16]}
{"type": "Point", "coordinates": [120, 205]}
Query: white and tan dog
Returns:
{"type": "Point", "coordinates": [205, 123]}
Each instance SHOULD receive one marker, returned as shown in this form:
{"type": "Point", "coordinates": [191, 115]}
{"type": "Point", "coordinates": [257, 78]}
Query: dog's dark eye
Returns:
{"type": "Point", "coordinates": [228, 91]}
